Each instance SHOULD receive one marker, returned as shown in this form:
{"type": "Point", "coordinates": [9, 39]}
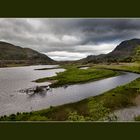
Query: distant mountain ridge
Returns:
{"type": "Point", "coordinates": [10, 53]}
{"type": "Point", "coordinates": [124, 52]}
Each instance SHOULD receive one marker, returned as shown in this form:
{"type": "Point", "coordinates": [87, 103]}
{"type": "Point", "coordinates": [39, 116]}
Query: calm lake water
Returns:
{"type": "Point", "coordinates": [14, 79]}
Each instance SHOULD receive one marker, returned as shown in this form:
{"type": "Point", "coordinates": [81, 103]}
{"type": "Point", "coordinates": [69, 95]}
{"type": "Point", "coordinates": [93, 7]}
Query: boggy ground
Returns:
{"type": "Point", "coordinates": [74, 74]}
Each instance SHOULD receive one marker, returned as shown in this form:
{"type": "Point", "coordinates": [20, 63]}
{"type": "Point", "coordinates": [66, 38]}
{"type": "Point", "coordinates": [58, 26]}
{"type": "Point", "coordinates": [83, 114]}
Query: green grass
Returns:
{"type": "Point", "coordinates": [74, 75]}
{"type": "Point", "coordinates": [16, 65]}
{"type": "Point", "coordinates": [131, 67]}
{"type": "Point", "coordinates": [137, 118]}
{"type": "Point", "coordinates": [136, 57]}
{"type": "Point", "coordinates": [95, 108]}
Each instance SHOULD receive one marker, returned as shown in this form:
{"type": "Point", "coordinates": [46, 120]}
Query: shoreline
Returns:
{"type": "Point", "coordinates": [69, 104]}
{"type": "Point", "coordinates": [24, 65]}
{"type": "Point", "coordinates": [73, 76]}
{"type": "Point", "coordinates": [111, 94]}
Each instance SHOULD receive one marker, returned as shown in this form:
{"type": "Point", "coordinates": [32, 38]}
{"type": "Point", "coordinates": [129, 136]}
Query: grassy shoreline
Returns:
{"type": "Point", "coordinates": [14, 65]}
{"type": "Point", "coordinates": [96, 108]}
{"type": "Point", "coordinates": [24, 65]}
{"type": "Point", "coordinates": [49, 68]}
{"type": "Point", "coordinates": [74, 75]}
{"type": "Point", "coordinates": [128, 67]}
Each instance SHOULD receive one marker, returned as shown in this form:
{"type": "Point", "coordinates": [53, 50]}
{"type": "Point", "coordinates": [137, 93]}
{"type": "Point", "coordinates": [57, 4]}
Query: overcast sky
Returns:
{"type": "Point", "coordinates": [68, 38]}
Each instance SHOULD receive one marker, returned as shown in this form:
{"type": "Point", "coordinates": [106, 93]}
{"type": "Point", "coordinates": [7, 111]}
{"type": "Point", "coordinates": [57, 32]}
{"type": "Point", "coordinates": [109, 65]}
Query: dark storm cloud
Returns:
{"type": "Point", "coordinates": [68, 38]}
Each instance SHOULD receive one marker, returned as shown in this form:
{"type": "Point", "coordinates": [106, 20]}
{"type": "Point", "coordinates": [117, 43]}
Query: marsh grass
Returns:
{"type": "Point", "coordinates": [74, 75]}
{"type": "Point", "coordinates": [96, 108]}
{"type": "Point", "coordinates": [130, 67]}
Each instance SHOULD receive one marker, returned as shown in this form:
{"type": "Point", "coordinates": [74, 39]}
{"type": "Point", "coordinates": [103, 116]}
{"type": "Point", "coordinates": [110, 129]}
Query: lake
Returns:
{"type": "Point", "coordinates": [12, 80]}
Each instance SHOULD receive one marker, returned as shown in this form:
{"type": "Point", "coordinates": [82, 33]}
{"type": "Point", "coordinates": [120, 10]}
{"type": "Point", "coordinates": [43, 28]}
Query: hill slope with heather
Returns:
{"type": "Point", "coordinates": [10, 53]}
{"type": "Point", "coordinates": [126, 51]}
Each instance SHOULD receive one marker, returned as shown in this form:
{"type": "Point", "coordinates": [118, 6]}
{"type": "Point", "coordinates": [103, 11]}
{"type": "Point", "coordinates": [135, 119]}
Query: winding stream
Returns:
{"type": "Point", "coordinates": [14, 79]}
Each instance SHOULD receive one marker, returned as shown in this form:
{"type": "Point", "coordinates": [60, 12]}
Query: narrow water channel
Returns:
{"type": "Point", "coordinates": [13, 79]}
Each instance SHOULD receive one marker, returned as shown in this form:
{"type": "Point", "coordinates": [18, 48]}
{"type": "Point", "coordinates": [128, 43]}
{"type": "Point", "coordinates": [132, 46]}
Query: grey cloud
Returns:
{"type": "Point", "coordinates": [67, 34]}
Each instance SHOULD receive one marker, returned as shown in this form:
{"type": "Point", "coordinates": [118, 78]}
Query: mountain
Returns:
{"type": "Point", "coordinates": [10, 53]}
{"type": "Point", "coordinates": [126, 51]}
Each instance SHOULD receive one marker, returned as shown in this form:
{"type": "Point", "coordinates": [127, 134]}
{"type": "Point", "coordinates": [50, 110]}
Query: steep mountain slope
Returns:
{"type": "Point", "coordinates": [11, 53]}
{"type": "Point", "coordinates": [125, 49]}
{"type": "Point", "coordinates": [124, 52]}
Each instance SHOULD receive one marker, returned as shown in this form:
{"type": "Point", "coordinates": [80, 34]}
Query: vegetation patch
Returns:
{"type": "Point", "coordinates": [49, 68]}
{"type": "Point", "coordinates": [96, 108]}
{"type": "Point", "coordinates": [137, 118]}
{"type": "Point", "coordinates": [74, 75]}
{"type": "Point", "coordinates": [130, 67]}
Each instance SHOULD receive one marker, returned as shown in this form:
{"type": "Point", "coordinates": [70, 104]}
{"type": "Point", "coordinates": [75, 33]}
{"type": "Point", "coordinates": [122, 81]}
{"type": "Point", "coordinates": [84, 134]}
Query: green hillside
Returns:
{"type": "Point", "coordinates": [11, 54]}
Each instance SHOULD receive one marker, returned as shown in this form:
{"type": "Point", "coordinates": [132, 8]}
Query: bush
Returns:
{"type": "Point", "coordinates": [73, 116]}
{"type": "Point", "coordinates": [37, 118]}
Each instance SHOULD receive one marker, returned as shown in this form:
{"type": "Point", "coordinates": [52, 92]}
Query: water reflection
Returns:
{"type": "Point", "coordinates": [14, 79]}
{"type": "Point", "coordinates": [42, 94]}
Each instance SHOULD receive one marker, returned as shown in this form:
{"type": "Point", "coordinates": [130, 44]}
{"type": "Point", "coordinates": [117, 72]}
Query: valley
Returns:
{"type": "Point", "coordinates": [109, 82]}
